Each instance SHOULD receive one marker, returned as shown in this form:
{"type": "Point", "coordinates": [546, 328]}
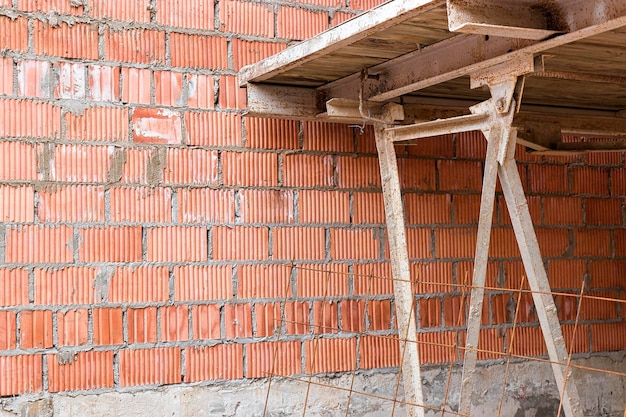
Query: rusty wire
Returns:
{"type": "Point", "coordinates": [404, 340]}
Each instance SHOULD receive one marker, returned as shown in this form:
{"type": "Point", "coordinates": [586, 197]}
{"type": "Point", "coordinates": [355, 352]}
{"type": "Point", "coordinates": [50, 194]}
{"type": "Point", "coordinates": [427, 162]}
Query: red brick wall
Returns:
{"type": "Point", "coordinates": [145, 221]}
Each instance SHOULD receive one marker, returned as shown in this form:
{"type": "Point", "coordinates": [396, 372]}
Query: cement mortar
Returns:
{"type": "Point", "coordinates": [530, 392]}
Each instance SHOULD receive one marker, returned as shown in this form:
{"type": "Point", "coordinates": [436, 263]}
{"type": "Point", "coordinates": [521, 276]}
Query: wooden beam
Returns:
{"type": "Point", "coordinates": [377, 19]}
{"type": "Point", "coordinates": [438, 127]}
{"type": "Point", "coordinates": [282, 102]}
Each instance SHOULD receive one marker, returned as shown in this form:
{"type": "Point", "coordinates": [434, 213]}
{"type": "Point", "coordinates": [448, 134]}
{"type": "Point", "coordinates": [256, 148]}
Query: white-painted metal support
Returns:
{"type": "Point", "coordinates": [403, 292]}
{"type": "Point", "coordinates": [500, 161]}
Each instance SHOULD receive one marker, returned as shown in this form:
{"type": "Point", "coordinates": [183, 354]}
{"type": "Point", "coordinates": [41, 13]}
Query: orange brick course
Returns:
{"type": "Point", "coordinates": [162, 237]}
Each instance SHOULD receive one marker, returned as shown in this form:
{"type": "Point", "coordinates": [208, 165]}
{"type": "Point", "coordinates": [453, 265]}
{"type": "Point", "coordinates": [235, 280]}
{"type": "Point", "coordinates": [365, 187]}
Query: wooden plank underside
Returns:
{"type": "Point", "coordinates": [360, 27]}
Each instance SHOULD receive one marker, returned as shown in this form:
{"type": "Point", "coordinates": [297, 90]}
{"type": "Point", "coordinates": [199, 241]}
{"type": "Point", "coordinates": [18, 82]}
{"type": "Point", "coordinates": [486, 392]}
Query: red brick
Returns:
{"type": "Point", "coordinates": [198, 51]}
{"type": "Point", "coordinates": [268, 320]}
{"type": "Point", "coordinates": [107, 326]}
{"type": "Point", "coordinates": [238, 320]}
{"type": "Point", "coordinates": [460, 175]}
{"type": "Point", "coordinates": [43, 121]}
{"type": "Point", "coordinates": [247, 18]}
{"type": "Point", "coordinates": [379, 352]}
{"type": "Point", "coordinates": [108, 124]}
{"type": "Point", "coordinates": [567, 307]}
{"type": "Point", "coordinates": [338, 17]}
{"type": "Point", "coordinates": [83, 371]}
{"type": "Point", "coordinates": [301, 170]}
{"type": "Point", "coordinates": [576, 342]}
{"type": "Point", "coordinates": [430, 312]}
{"type": "Point", "coordinates": [6, 79]}
{"type": "Point", "coordinates": [73, 327]}
{"type": "Point", "coordinates": [266, 206]}
{"type": "Point", "coordinates": [372, 279]}
{"type": "Point", "coordinates": [325, 317]}
{"type": "Point", "coordinates": [437, 347]}
{"type": "Point", "coordinates": [250, 169]}
{"type": "Point", "coordinates": [562, 211]}
{"type": "Point", "coordinates": [245, 243]}
{"type": "Point", "coordinates": [599, 212]}
{"type": "Point", "coordinates": [607, 273]}
{"type": "Point", "coordinates": [16, 204]}
{"type": "Point", "coordinates": [36, 329]}
{"type": "Point", "coordinates": [358, 172]}
{"type": "Point", "coordinates": [273, 358]}
{"type": "Point", "coordinates": [566, 273]}
{"type": "Point", "coordinates": [471, 145]}
{"type": "Point", "coordinates": [231, 96]}
{"type": "Point", "coordinates": [329, 280]}
{"type": "Point", "coordinates": [592, 242]}
{"type": "Point", "coordinates": [135, 11]}
{"type": "Point", "coordinates": [427, 208]}
{"type": "Point", "coordinates": [145, 205]}
{"type": "Point", "coordinates": [156, 126]}
{"type": "Point", "coordinates": [455, 243]}
{"type": "Point", "coordinates": [248, 52]}
{"type": "Point", "coordinates": [298, 24]}
{"type": "Point", "coordinates": [60, 6]}
{"type": "Point", "coordinates": [188, 14]}
{"type": "Point", "coordinates": [177, 244]}
{"type": "Point", "coordinates": [142, 325]}
{"type": "Point", "coordinates": [34, 78]}
{"type": "Point", "coordinates": [619, 239]}
{"type": "Point", "coordinates": [534, 207]}
{"type": "Point", "coordinates": [590, 180]}
{"type": "Point", "coordinates": [8, 329]}
{"type": "Point", "coordinates": [599, 309]}
{"type": "Point", "coordinates": [528, 341]}
{"type": "Point", "coordinates": [174, 323]}
{"type": "Point", "coordinates": [323, 206]}
{"type": "Point", "coordinates": [419, 242]}
{"type": "Point", "coordinates": [213, 128]}
{"type": "Point", "coordinates": [264, 281]}
{"type": "Point", "coordinates": [553, 242]}
{"type": "Point", "coordinates": [455, 312]}
{"type": "Point", "coordinates": [608, 337]}
{"type": "Point", "coordinates": [491, 344]}
{"type": "Point", "coordinates": [213, 363]}
{"type": "Point", "coordinates": [38, 244]}
{"type": "Point", "coordinates": [135, 45]}
{"type": "Point", "coordinates": [330, 355]}
{"type": "Point", "coordinates": [110, 244]}
{"type": "Point", "coordinates": [71, 83]}
{"type": "Point", "coordinates": [193, 283]}
{"type": "Point", "coordinates": [143, 284]}
{"type": "Point", "coordinates": [54, 40]}
{"type": "Point", "coordinates": [67, 286]}
{"type": "Point", "coordinates": [437, 146]}
{"type": "Point", "coordinates": [466, 208]}
{"type": "Point", "coordinates": [104, 83]}
{"type": "Point", "coordinates": [353, 316]}
{"type": "Point", "coordinates": [296, 318]}
{"type": "Point", "coordinates": [149, 366]}
{"type": "Point", "coordinates": [379, 314]}
{"type": "Point", "coordinates": [265, 133]}
{"type": "Point", "coordinates": [417, 174]}
{"type": "Point", "coordinates": [80, 203]}
{"type": "Point", "coordinates": [13, 286]}
{"type": "Point", "coordinates": [136, 85]}
{"type": "Point", "coordinates": [206, 321]}
{"type": "Point", "coordinates": [503, 244]}
{"type": "Point", "coordinates": [200, 91]}
{"type": "Point", "coordinates": [328, 137]}
{"type": "Point", "coordinates": [168, 88]}
{"type": "Point", "coordinates": [12, 33]}
{"type": "Point", "coordinates": [354, 243]}
{"type": "Point", "coordinates": [298, 243]}
{"type": "Point", "coordinates": [618, 182]}
{"type": "Point", "coordinates": [204, 205]}
{"type": "Point", "coordinates": [548, 178]}
{"type": "Point", "coordinates": [368, 208]}
{"type": "Point", "coordinates": [191, 166]}
{"type": "Point", "coordinates": [78, 163]}
{"type": "Point", "coordinates": [25, 371]}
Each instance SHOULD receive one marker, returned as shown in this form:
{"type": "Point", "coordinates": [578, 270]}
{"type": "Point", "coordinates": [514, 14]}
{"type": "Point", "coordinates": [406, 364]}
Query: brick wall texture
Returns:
{"type": "Point", "coordinates": [151, 234]}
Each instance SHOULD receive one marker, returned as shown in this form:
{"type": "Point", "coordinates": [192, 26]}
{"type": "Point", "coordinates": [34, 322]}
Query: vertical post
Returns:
{"type": "Point", "coordinates": [537, 279]}
{"type": "Point", "coordinates": [402, 288]}
{"type": "Point", "coordinates": [480, 268]}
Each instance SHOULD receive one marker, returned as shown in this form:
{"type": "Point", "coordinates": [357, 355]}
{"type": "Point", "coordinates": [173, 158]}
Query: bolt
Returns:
{"type": "Point", "coordinates": [500, 105]}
